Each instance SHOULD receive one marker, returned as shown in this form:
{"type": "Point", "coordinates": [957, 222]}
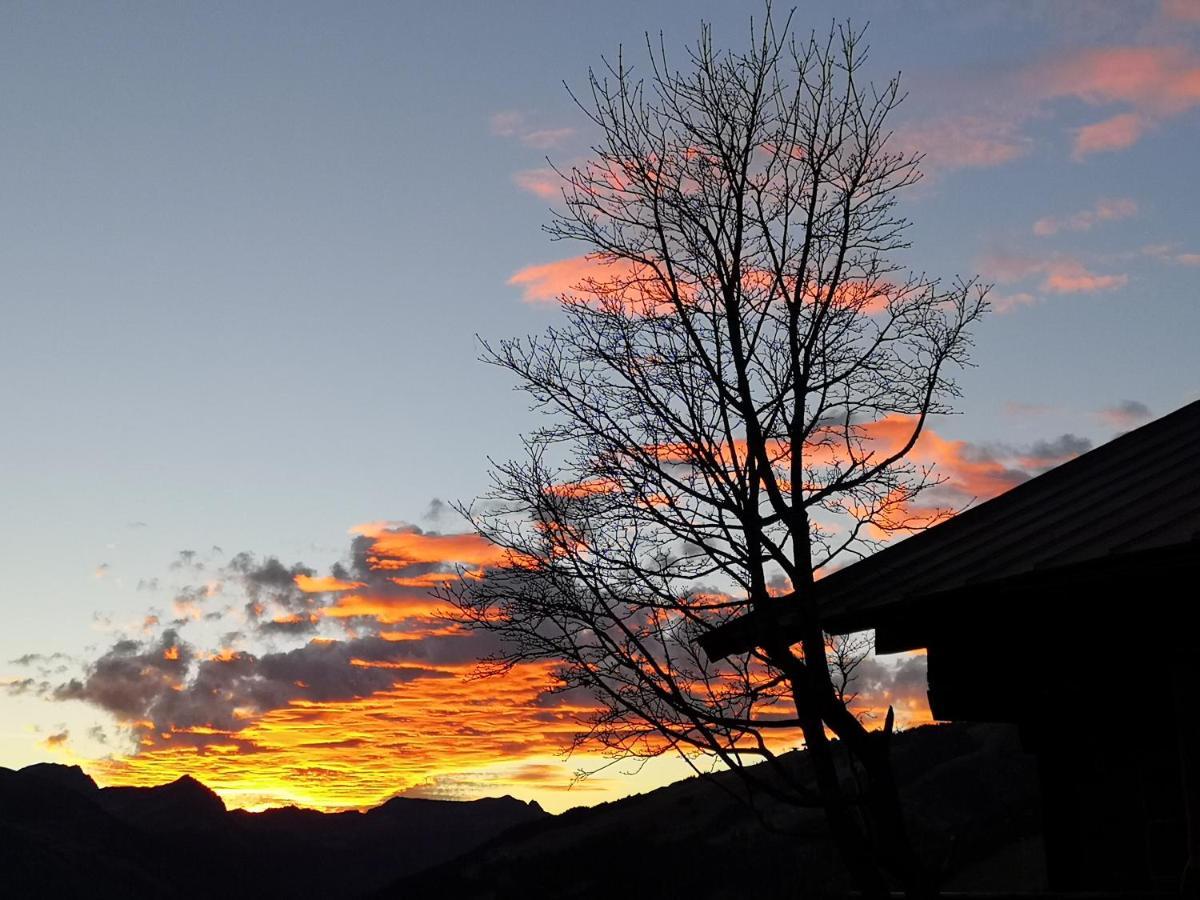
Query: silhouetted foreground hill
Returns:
{"type": "Point", "coordinates": [972, 799]}
{"type": "Point", "coordinates": [62, 836]}
{"type": "Point", "coordinates": [971, 791]}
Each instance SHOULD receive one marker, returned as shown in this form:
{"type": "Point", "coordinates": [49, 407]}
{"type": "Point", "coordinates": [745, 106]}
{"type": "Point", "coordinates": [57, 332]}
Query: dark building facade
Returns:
{"type": "Point", "coordinates": [1068, 606]}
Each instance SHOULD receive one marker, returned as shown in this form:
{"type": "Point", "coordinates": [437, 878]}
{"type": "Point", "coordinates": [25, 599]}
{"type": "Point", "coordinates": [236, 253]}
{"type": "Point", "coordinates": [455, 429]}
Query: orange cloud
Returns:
{"type": "Point", "coordinates": [311, 585]}
{"type": "Point", "coordinates": [56, 741]}
{"type": "Point", "coordinates": [357, 753]}
{"type": "Point", "coordinates": [345, 724]}
{"type": "Point", "coordinates": [405, 546]}
{"type": "Point", "coordinates": [386, 610]}
{"type": "Point", "coordinates": [432, 579]}
{"type": "Point", "coordinates": [968, 473]}
{"type": "Point", "coordinates": [588, 487]}
{"type": "Point", "coordinates": [545, 283]}
{"type": "Point", "coordinates": [640, 290]}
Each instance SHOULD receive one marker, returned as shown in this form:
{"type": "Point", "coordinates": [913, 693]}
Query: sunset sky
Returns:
{"type": "Point", "coordinates": [246, 249]}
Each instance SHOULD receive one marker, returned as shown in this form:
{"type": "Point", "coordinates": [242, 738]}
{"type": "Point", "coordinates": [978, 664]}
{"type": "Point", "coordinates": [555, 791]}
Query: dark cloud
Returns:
{"type": "Point", "coordinates": [436, 510]}
{"type": "Point", "coordinates": [189, 603]}
{"type": "Point", "coordinates": [187, 559]}
{"type": "Point", "coordinates": [1040, 454]}
{"type": "Point", "coordinates": [1125, 414]}
{"type": "Point", "coordinates": [131, 676]}
{"type": "Point", "coordinates": [18, 686]}
{"type": "Point", "coordinates": [30, 659]}
{"type": "Point", "coordinates": [1062, 447]}
{"type": "Point", "coordinates": [275, 604]}
{"type": "Point", "coordinates": [291, 625]}
{"type": "Point", "coordinates": [164, 682]}
{"type": "Point", "coordinates": [900, 683]}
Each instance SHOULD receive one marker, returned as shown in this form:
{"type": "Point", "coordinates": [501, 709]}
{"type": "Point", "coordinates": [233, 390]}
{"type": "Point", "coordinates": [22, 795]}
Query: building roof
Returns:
{"type": "Point", "coordinates": [1138, 494]}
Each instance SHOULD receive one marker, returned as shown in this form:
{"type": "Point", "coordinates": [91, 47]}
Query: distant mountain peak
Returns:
{"type": "Point", "coordinates": [70, 777]}
{"type": "Point", "coordinates": [198, 791]}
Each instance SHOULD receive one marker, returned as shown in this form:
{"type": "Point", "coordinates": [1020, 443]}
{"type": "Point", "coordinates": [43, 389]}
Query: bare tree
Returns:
{"type": "Point", "coordinates": [730, 402]}
{"type": "Point", "coordinates": [846, 654]}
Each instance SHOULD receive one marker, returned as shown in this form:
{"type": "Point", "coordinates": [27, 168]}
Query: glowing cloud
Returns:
{"type": "Point", "coordinates": [407, 545]}
{"type": "Point", "coordinates": [546, 282]}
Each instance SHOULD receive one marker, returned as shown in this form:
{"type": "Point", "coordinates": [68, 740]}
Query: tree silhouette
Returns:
{"type": "Point", "coordinates": [729, 404]}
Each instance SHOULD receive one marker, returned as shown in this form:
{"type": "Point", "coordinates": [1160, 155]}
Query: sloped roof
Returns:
{"type": "Point", "coordinates": [1139, 492]}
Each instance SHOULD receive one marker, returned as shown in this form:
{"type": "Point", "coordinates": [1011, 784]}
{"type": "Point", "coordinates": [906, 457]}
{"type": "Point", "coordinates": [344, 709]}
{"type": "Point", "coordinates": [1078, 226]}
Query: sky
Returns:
{"type": "Point", "coordinates": [246, 253]}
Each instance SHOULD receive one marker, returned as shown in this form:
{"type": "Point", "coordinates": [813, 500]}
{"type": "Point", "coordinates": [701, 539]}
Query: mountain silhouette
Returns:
{"type": "Point", "coordinates": [970, 790]}
{"type": "Point", "coordinates": [62, 836]}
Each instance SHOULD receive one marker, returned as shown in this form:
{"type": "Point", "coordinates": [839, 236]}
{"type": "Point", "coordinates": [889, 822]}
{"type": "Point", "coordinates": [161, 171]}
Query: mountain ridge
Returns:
{"type": "Point", "coordinates": [63, 836]}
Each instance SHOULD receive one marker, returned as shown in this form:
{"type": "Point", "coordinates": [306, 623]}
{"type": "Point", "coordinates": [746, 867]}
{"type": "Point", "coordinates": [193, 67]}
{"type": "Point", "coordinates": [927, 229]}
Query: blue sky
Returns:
{"type": "Point", "coordinates": [245, 250]}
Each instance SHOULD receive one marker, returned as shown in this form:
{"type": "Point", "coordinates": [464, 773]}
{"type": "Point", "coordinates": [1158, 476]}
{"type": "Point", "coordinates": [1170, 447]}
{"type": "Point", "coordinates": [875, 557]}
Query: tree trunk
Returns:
{"type": "Point", "coordinates": [847, 835]}
{"type": "Point", "coordinates": [882, 800]}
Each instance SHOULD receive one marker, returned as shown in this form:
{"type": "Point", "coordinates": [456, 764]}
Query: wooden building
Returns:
{"type": "Point", "coordinates": [1070, 606]}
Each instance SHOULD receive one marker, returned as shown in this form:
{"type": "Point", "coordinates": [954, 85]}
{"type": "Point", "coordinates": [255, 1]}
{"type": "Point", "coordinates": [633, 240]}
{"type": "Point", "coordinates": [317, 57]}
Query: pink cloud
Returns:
{"type": "Point", "coordinates": [1016, 408]}
{"type": "Point", "coordinates": [545, 138]}
{"type": "Point", "coordinates": [506, 124]}
{"type": "Point", "coordinates": [1071, 277]}
{"type": "Point", "coordinates": [1104, 210]}
{"type": "Point", "coordinates": [1165, 80]}
{"type": "Point", "coordinates": [1060, 274]}
{"type": "Point", "coordinates": [1143, 86]}
{"type": "Point", "coordinates": [1182, 10]}
{"type": "Point", "coordinates": [959, 142]}
{"type": "Point", "coordinates": [545, 283]}
{"type": "Point", "coordinates": [1009, 302]}
{"type": "Point", "coordinates": [1168, 253]}
{"type": "Point", "coordinates": [515, 124]}
{"type": "Point", "coordinates": [544, 182]}
{"type": "Point", "coordinates": [1154, 83]}
{"type": "Point", "coordinates": [1126, 414]}
{"type": "Point", "coordinates": [1118, 133]}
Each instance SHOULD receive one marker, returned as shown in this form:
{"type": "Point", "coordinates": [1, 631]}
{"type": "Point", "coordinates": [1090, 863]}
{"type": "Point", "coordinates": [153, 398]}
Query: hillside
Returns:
{"type": "Point", "coordinates": [971, 794]}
